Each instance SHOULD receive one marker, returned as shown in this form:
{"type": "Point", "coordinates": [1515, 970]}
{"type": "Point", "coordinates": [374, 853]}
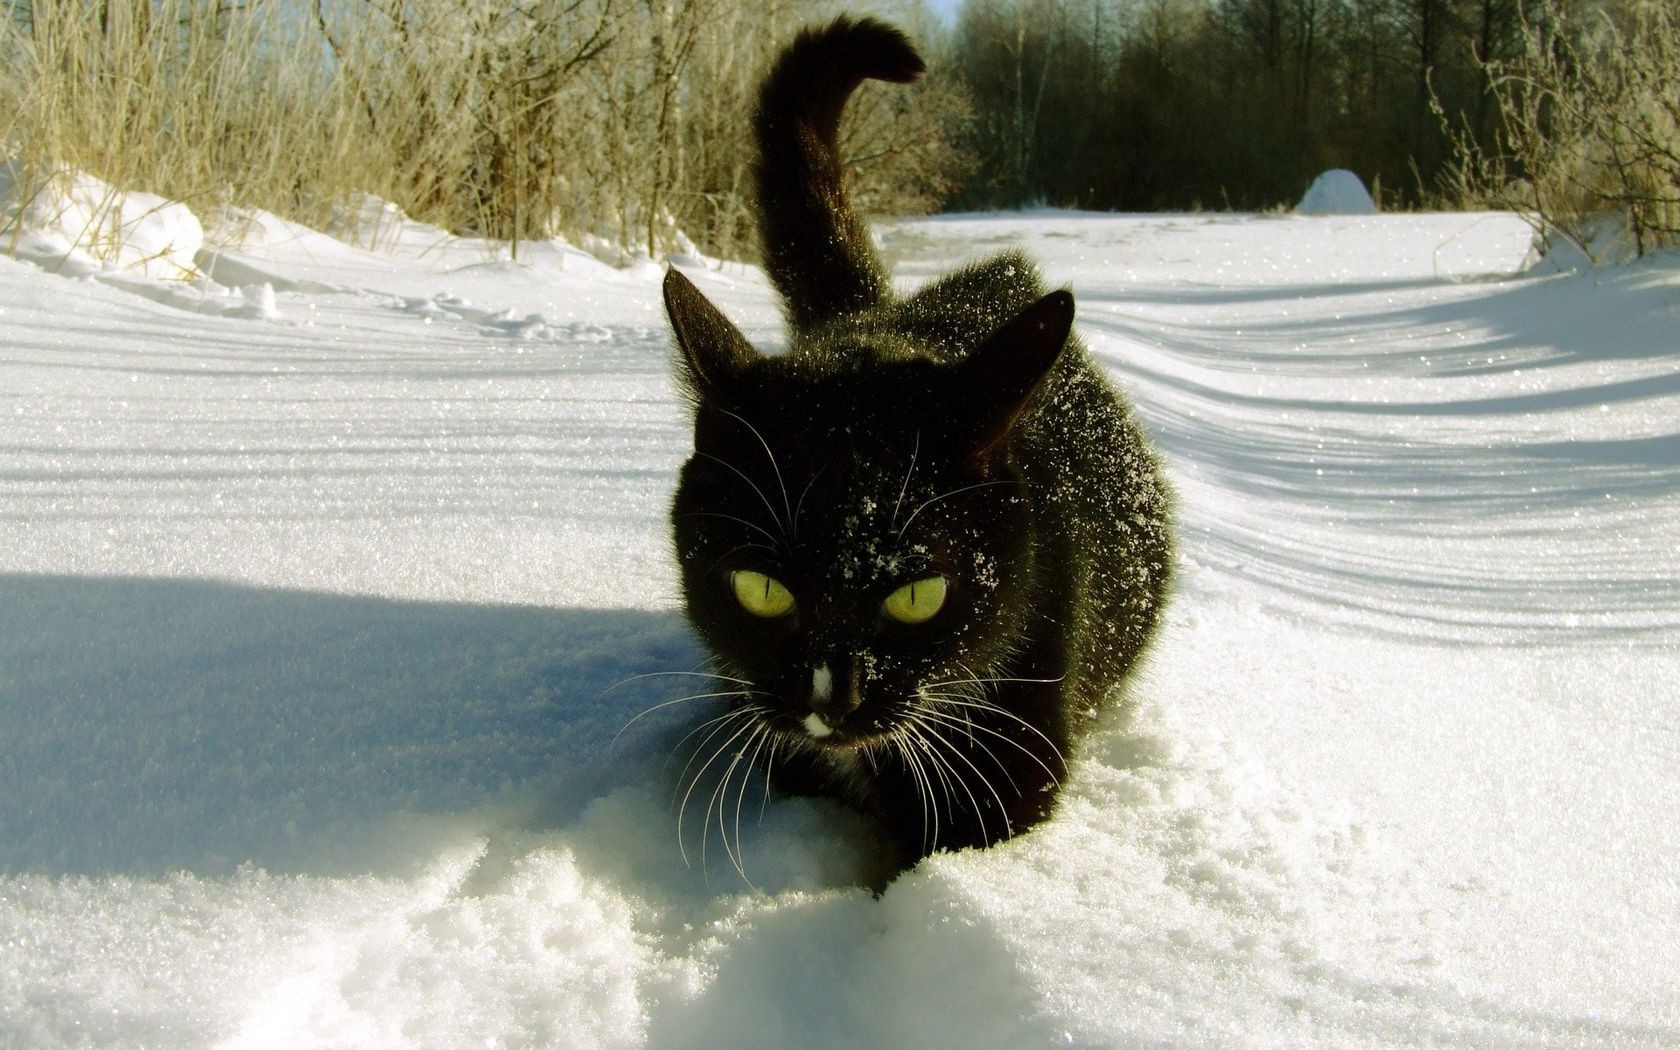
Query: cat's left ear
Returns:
{"type": "Point", "coordinates": [1004, 372]}
{"type": "Point", "coordinates": [713, 349]}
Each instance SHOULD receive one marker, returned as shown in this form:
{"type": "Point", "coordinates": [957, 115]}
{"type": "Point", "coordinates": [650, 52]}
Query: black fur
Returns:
{"type": "Point", "coordinates": [815, 249]}
{"type": "Point", "coordinates": [960, 432]}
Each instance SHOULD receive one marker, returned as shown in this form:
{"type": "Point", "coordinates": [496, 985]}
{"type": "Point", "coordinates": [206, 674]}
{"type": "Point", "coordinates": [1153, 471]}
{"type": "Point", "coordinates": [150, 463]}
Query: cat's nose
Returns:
{"type": "Point", "coordinates": [827, 701]}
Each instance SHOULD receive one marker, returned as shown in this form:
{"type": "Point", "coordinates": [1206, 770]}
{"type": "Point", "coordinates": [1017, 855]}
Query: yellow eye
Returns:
{"type": "Point", "coordinates": [760, 595]}
{"type": "Point", "coordinates": [916, 602]}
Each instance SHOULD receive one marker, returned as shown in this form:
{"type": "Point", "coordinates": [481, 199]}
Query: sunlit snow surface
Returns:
{"type": "Point", "coordinates": [324, 586]}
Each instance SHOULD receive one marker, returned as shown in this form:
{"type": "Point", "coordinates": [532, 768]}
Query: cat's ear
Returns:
{"type": "Point", "coordinates": [713, 349]}
{"type": "Point", "coordinates": [1001, 375]}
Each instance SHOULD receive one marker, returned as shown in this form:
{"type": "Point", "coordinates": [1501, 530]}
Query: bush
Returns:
{"type": "Point", "coordinates": [1590, 127]}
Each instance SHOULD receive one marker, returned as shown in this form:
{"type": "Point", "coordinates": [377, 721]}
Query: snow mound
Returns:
{"type": "Point", "coordinates": [1602, 240]}
{"type": "Point", "coordinates": [1336, 192]}
{"type": "Point", "coordinates": [76, 224]}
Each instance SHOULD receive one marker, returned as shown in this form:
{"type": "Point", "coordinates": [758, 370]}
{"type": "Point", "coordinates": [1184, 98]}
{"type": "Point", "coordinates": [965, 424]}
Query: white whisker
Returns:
{"type": "Point", "coordinates": [761, 530]}
{"type": "Point", "coordinates": [989, 681]}
{"type": "Point", "coordinates": [797, 507]}
{"type": "Point", "coordinates": [973, 804]}
{"type": "Point", "coordinates": [946, 719]}
{"type": "Point", "coordinates": [701, 772]}
{"type": "Point", "coordinates": [667, 674]}
{"type": "Point", "coordinates": [980, 704]}
{"type": "Point", "coordinates": [905, 487]}
{"type": "Point", "coordinates": [740, 797]}
{"type": "Point", "coordinates": [719, 560]}
{"type": "Point", "coordinates": [772, 457]}
{"type": "Point", "coordinates": [720, 721]}
{"type": "Point", "coordinates": [769, 764]}
{"type": "Point", "coordinates": [751, 484]}
{"type": "Point", "coordinates": [899, 742]}
{"type": "Point", "coordinates": [720, 797]}
{"type": "Point", "coordinates": [941, 768]}
{"type": "Point", "coordinates": [679, 700]}
{"type": "Point", "coordinates": [947, 495]}
{"type": "Point", "coordinates": [1003, 810]}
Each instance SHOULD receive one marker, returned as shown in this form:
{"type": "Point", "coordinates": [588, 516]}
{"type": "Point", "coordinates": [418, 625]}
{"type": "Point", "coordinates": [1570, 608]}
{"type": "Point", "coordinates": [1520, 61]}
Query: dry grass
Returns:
{"type": "Point", "coordinates": [514, 119]}
{"type": "Point", "coordinates": [179, 97]}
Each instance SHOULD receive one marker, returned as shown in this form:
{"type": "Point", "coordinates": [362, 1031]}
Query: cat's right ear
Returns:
{"type": "Point", "coordinates": [1003, 373]}
{"type": "Point", "coordinates": [713, 349]}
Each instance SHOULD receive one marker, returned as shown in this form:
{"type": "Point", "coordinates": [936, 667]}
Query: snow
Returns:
{"type": "Point", "coordinates": [1605, 239]}
{"type": "Point", "coordinates": [76, 224]}
{"type": "Point", "coordinates": [1336, 192]}
{"type": "Point", "coordinates": [331, 577]}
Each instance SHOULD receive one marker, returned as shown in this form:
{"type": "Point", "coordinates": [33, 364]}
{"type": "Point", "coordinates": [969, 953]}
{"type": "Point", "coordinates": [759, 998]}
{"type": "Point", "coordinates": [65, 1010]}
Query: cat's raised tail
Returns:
{"type": "Point", "coordinates": [816, 250]}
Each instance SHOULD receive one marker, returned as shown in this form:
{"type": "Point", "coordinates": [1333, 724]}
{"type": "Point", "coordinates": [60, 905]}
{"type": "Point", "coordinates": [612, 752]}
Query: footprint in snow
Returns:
{"type": "Point", "coordinates": [508, 323]}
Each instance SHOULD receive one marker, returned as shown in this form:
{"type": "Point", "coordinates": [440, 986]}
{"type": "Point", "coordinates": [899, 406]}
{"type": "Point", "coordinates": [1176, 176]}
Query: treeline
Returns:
{"type": "Point", "coordinates": [1568, 110]}
{"type": "Point", "coordinates": [623, 124]}
{"type": "Point", "coordinates": [1151, 104]}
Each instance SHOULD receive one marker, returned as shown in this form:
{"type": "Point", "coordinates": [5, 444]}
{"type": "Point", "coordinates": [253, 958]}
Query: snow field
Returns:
{"type": "Point", "coordinates": [322, 620]}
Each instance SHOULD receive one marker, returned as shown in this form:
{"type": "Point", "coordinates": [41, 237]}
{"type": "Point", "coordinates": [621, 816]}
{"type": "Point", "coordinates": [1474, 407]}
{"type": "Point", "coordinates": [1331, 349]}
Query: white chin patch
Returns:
{"type": "Point", "coordinates": [816, 726]}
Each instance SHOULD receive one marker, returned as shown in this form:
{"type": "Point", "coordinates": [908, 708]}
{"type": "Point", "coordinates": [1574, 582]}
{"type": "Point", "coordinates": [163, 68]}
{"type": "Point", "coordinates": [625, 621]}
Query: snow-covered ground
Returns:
{"type": "Point", "coordinates": [325, 586]}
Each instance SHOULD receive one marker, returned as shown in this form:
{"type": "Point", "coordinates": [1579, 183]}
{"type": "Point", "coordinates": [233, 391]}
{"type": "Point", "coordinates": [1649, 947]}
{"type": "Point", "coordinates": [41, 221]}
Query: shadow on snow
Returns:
{"type": "Point", "coordinates": [154, 724]}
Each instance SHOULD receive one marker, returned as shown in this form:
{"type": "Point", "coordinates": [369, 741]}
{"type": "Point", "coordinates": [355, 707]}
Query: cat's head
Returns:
{"type": "Point", "coordinates": [852, 531]}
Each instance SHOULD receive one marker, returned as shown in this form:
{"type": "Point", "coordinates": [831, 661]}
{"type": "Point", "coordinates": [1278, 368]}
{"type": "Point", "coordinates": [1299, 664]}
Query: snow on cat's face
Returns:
{"type": "Point", "coordinates": [857, 550]}
{"type": "Point", "coordinates": [854, 577]}
{"type": "Point", "coordinates": [854, 544]}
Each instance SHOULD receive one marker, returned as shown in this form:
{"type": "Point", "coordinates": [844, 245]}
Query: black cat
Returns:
{"type": "Point", "coordinates": [926, 544]}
